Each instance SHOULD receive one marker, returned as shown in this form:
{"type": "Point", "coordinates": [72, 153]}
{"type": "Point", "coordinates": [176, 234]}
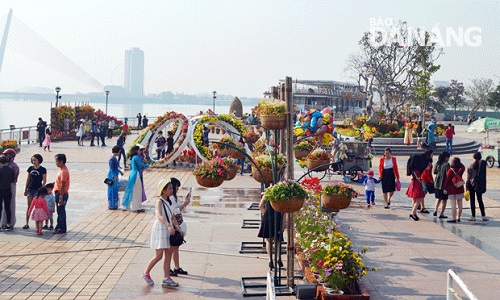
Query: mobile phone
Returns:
{"type": "Point", "coordinates": [190, 190]}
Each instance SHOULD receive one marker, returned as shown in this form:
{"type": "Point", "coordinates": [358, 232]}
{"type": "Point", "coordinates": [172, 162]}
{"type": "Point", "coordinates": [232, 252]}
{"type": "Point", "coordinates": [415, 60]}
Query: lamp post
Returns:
{"type": "Point", "coordinates": [58, 89]}
{"type": "Point", "coordinates": [214, 93]}
{"type": "Point", "coordinates": [107, 93]}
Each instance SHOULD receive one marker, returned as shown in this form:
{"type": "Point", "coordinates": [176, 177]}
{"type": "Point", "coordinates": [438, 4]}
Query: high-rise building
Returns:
{"type": "Point", "coordinates": [134, 72]}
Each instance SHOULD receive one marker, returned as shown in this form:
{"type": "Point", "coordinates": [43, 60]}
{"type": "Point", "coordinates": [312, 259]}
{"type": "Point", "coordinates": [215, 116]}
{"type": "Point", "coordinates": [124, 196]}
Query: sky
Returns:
{"type": "Point", "coordinates": [231, 46]}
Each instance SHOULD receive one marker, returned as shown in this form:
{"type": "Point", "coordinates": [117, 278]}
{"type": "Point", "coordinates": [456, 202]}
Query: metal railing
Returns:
{"type": "Point", "coordinates": [21, 135]}
{"type": "Point", "coordinates": [450, 291]}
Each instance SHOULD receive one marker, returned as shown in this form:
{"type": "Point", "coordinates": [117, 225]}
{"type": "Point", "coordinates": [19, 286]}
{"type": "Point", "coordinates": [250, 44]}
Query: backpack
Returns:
{"type": "Point", "coordinates": [457, 180]}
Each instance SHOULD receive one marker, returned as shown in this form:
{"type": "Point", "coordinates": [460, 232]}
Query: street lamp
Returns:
{"type": "Point", "coordinates": [107, 93]}
{"type": "Point", "coordinates": [58, 89]}
{"type": "Point", "coordinates": [214, 93]}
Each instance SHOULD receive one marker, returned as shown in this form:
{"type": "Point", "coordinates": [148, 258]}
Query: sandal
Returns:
{"type": "Point", "coordinates": [424, 211]}
{"type": "Point", "coordinates": [180, 271]}
{"type": "Point", "coordinates": [26, 226]}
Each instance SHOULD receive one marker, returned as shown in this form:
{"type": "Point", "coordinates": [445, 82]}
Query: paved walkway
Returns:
{"type": "Point", "coordinates": [104, 252]}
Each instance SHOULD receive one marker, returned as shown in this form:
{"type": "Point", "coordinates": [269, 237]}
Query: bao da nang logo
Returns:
{"type": "Point", "coordinates": [385, 32]}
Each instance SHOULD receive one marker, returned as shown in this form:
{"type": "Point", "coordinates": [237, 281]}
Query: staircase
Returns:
{"type": "Point", "coordinates": [403, 150]}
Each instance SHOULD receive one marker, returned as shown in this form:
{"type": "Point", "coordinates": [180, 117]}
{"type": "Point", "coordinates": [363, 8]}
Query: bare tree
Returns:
{"type": "Point", "coordinates": [479, 91]}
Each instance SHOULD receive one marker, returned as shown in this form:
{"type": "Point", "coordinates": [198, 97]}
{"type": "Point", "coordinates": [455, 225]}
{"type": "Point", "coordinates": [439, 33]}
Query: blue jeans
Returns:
{"type": "Point", "coordinates": [61, 213]}
{"type": "Point", "coordinates": [122, 153]}
{"type": "Point", "coordinates": [370, 196]}
{"type": "Point", "coordinates": [241, 162]}
{"type": "Point", "coordinates": [449, 145]}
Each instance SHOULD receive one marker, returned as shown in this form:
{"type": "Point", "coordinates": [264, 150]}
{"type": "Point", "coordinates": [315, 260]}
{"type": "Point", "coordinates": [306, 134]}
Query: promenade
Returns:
{"type": "Point", "coordinates": [105, 252]}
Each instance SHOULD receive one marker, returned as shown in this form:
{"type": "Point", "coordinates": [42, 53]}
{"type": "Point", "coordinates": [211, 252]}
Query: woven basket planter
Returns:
{"type": "Point", "coordinates": [231, 173]}
{"type": "Point", "coordinates": [288, 206]}
{"type": "Point", "coordinates": [311, 164]}
{"type": "Point", "coordinates": [252, 139]}
{"type": "Point", "coordinates": [231, 152]}
{"type": "Point", "coordinates": [335, 202]}
{"type": "Point", "coordinates": [210, 182]}
{"type": "Point", "coordinates": [300, 154]}
{"type": "Point", "coordinates": [273, 122]}
{"type": "Point", "coordinates": [268, 176]}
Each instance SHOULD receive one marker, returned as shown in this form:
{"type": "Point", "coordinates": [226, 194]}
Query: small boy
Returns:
{"type": "Point", "coordinates": [51, 204]}
{"type": "Point", "coordinates": [369, 183]}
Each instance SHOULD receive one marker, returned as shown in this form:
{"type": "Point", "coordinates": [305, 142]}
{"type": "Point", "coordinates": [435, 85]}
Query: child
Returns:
{"type": "Point", "coordinates": [50, 199]}
{"type": "Point", "coordinates": [39, 208]}
{"type": "Point", "coordinates": [46, 142]}
{"type": "Point", "coordinates": [369, 183]}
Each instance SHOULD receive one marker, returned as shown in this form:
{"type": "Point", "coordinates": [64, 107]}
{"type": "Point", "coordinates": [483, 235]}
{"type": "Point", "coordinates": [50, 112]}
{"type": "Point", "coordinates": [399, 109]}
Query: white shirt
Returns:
{"type": "Point", "coordinates": [388, 163]}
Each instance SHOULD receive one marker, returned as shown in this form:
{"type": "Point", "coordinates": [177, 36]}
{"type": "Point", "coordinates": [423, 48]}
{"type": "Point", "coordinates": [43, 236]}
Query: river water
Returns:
{"type": "Point", "coordinates": [21, 113]}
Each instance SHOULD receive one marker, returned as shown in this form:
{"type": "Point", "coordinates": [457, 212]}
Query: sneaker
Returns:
{"type": "Point", "coordinates": [443, 217]}
{"type": "Point", "coordinates": [51, 227]}
{"type": "Point", "coordinates": [435, 214]}
{"type": "Point", "coordinates": [8, 228]}
{"type": "Point", "coordinates": [472, 219]}
{"type": "Point", "coordinates": [168, 282]}
{"type": "Point", "coordinates": [452, 221]}
{"type": "Point", "coordinates": [180, 271]}
{"type": "Point", "coordinates": [148, 279]}
{"type": "Point", "coordinates": [26, 226]}
{"type": "Point", "coordinates": [373, 203]}
{"type": "Point", "coordinates": [485, 219]}
{"type": "Point", "coordinates": [458, 221]}
{"type": "Point", "coordinates": [173, 273]}
{"type": "Point", "coordinates": [40, 232]}
{"type": "Point", "coordinates": [44, 227]}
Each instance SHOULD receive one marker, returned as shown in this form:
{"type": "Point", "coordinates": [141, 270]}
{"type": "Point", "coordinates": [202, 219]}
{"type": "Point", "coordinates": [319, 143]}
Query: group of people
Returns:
{"type": "Point", "coordinates": [41, 202]}
{"type": "Point", "coordinates": [142, 121]}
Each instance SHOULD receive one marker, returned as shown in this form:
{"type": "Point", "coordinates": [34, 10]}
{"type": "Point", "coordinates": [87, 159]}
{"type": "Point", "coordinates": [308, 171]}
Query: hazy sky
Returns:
{"type": "Point", "coordinates": [234, 47]}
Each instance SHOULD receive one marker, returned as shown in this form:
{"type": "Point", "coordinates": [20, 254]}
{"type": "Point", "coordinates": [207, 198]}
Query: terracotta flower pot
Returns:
{"type": "Point", "coordinates": [209, 182]}
{"type": "Point", "coordinates": [272, 122]}
{"type": "Point", "coordinates": [311, 164]}
{"type": "Point", "coordinates": [288, 206]}
{"type": "Point", "coordinates": [335, 201]}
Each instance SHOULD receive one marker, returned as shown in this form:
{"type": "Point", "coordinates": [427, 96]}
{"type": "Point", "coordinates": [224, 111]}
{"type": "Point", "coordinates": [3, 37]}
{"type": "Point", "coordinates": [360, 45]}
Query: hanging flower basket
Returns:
{"type": "Point", "coordinates": [288, 206]}
{"type": "Point", "coordinates": [335, 202]}
{"type": "Point", "coordinates": [209, 182]}
{"type": "Point", "coordinates": [311, 164]}
{"type": "Point", "coordinates": [300, 154]}
{"type": "Point", "coordinates": [231, 152]}
{"type": "Point", "coordinates": [231, 173]}
{"type": "Point", "coordinates": [268, 176]}
{"type": "Point", "coordinates": [273, 122]}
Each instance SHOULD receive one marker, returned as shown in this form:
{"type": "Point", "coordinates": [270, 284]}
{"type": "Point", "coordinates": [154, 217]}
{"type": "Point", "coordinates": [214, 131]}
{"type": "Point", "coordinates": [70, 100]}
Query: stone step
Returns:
{"type": "Point", "coordinates": [402, 150]}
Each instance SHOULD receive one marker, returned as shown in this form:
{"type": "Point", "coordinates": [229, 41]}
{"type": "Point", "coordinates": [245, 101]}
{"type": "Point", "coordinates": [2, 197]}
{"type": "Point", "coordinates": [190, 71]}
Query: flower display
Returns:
{"type": "Point", "coordinates": [319, 154]}
{"type": "Point", "coordinates": [227, 139]}
{"type": "Point", "coordinates": [100, 114]}
{"type": "Point", "coordinates": [265, 162]}
{"type": "Point", "coordinates": [85, 112]}
{"type": "Point", "coordinates": [271, 107]}
{"type": "Point", "coordinates": [6, 144]}
{"type": "Point", "coordinates": [187, 155]}
{"type": "Point", "coordinates": [312, 184]}
{"type": "Point", "coordinates": [306, 144]}
{"type": "Point", "coordinates": [252, 136]}
{"type": "Point", "coordinates": [62, 118]}
{"type": "Point", "coordinates": [339, 188]}
{"type": "Point", "coordinates": [215, 168]}
{"type": "Point", "coordinates": [284, 190]}
{"type": "Point", "coordinates": [261, 146]}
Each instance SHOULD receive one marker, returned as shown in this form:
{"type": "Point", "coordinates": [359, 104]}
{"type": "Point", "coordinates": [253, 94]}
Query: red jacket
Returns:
{"type": "Point", "coordinates": [394, 168]}
{"type": "Point", "coordinates": [449, 186]}
{"type": "Point", "coordinates": [449, 133]}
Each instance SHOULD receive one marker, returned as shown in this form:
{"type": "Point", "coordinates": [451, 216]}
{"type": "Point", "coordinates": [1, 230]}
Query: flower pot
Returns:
{"type": "Point", "coordinates": [268, 176]}
{"type": "Point", "coordinates": [288, 206]}
{"type": "Point", "coordinates": [252, 139]}
{"type": "Point", "coordinates": [335, 202]}
{"type": "Point", "coordinates": [273, 122]}
{"type": "Point", "coordinates": [209, 182]}
{"type": "Point", "coordinates": [231, 152]}
{"type": "Point", "coordinates": [231, 173]}
{"type": "Point", "coordinates": [300, 154]}
{"type": "Point", "coordinates": [311, 164]}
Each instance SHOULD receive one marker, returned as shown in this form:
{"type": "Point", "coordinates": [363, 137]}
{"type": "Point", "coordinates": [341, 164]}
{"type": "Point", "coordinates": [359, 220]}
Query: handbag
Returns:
{"type": "Point", "coordinates": [177, 239]}
{"type": "Point", "coordinates": [109, 181]}
{"type": "Point", "coordinates": [467, 195]}
{"type": "Point", "coordinates": [398, 186]}
{"type": "Point", "coordinates": [430, 188]}
{"type": "Point", "coordinates": [457, 180]}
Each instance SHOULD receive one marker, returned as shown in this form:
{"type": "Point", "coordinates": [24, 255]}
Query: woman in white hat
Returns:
{"type": "Point", "coordinates": [133, 196]}
{"type": "Point", "coordinates": [165, 226]}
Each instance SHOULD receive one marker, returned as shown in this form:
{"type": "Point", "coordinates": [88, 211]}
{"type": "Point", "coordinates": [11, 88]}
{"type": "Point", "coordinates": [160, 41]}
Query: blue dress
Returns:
{"type": "Point", "coordinates": [113, 189]}
{"type": "Point", "coordinates": [134, 190]}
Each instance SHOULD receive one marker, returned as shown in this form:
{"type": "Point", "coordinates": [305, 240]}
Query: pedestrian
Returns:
{"type": "Point", "coordinates": [454, 185]}
{"type": "Point", "coordinates": [419, 167]}
{"type": "Point", "coordinates": [37, 177]}
{"type": "Point", "coordinates": [170, 144]}
{"type": "Point", "coordinates": [47, 140]}
{"type": "Point", "coordinates": [205, 136]}
{"type": "Point", "coordinates": [408, 137]}
{"type": "Point", "coordinates": [369, 184]}
{"type": "Point", "coordinates": [133, 197]}
{"type": "Point", "coordinates": [160, 145]}
{"type": "Point", "coordinates": [432, 131]}
{"type": "Point", "coordinates": [51, 205]}
{"type": "Point", "coordinates": [111, 127]}
{"type": "Point", "coordinates": [476, 184]}
{"type": "Point", "coordinates": [139, 120]}
{"type": "Point", "coordinates": [7, 177]}
{"type": "Point", "coordinates": [40, 128]}
{"type": "Point", "coordinates": [388, 173]}
{"type": "Point", "coordinates": [80, 132]}
{"type": "Point", "coordinates": [440, 170]}
{"type": "Point", "coordinates": [144, 121]}
{"type": "Point", "coordinates": [241, 161]}
{"type": "Point", "coordinates": [10, 154]}
{"type": "Point", "coordinates": [125, 128]}
{"type": "Point", "coordinates": [164, 227]}
{"type": "Point", "coordinates": [86, 128]}
{"type": "Point", "coordinates": [103, 129]}
{"type": "Point", "coordinates": [177, 208]}
{"type": "Point", "coordinates": [94, 131]}
{"type": "Point", "coordinates": [113, 173]}
{"type": "Point", "coordinates": [61, 190]}
{"type": "Point", "coordinates": [270, 223]}
{"type": "Point", "coordinates": [39, 209]}
{"type": "Point", "coordinates": [120, 142]}
{"type": "Point", "coordinates": [449, 133]}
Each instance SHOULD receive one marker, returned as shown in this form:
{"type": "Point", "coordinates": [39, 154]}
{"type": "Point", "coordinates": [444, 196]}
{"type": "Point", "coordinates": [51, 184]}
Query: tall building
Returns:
{"type": "Point", "coordinates": [134, 72]}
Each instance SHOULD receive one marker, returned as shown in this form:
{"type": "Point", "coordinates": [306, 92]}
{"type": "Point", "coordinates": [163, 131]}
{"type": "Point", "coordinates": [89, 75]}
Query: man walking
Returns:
{"type": "Point", "coordinates": [7, 177]}
{"type": "Point", "coordinates": [10, 155]}
{"type": "Point", "coordinates": [40, 127]}
{"type": "Point", "coordinates": [61, 189]}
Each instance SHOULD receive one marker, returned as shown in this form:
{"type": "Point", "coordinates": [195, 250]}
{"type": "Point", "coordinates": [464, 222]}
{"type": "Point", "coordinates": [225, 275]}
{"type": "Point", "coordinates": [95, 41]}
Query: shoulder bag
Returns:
{"type": "Point", "coordinates": [177, 239]}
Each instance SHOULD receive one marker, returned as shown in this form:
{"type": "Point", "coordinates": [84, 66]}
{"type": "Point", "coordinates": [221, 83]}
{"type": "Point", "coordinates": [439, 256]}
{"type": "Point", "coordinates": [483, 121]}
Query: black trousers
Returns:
{"type": "Point", "coordinates": [5, 198]}
{"type": "Point", "coordinates": [473, 195]}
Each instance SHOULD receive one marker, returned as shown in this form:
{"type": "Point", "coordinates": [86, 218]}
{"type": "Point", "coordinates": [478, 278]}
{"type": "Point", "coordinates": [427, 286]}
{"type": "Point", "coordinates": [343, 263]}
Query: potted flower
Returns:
{"type": "Point", "coordinates": [225, 150]}
{"type": "Point", "coordinates": [212, 173]}
{"type": "Point", "coordinates": [286, 196]}
{"type": "Point", "coordinates": [272, 113]}
{"type": "Point", "coordinates": [337, 195]}
{"type": "Point", "coordinates": [317, 158]}
{"type": "Point", "coordinates": [264, 163]}
{"type": "Point", "coordinates": [232, 168]}
{"type": "Point", "coordinates": [251, 136]}
{"type": "Point", "coordinates": [302, 148]}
